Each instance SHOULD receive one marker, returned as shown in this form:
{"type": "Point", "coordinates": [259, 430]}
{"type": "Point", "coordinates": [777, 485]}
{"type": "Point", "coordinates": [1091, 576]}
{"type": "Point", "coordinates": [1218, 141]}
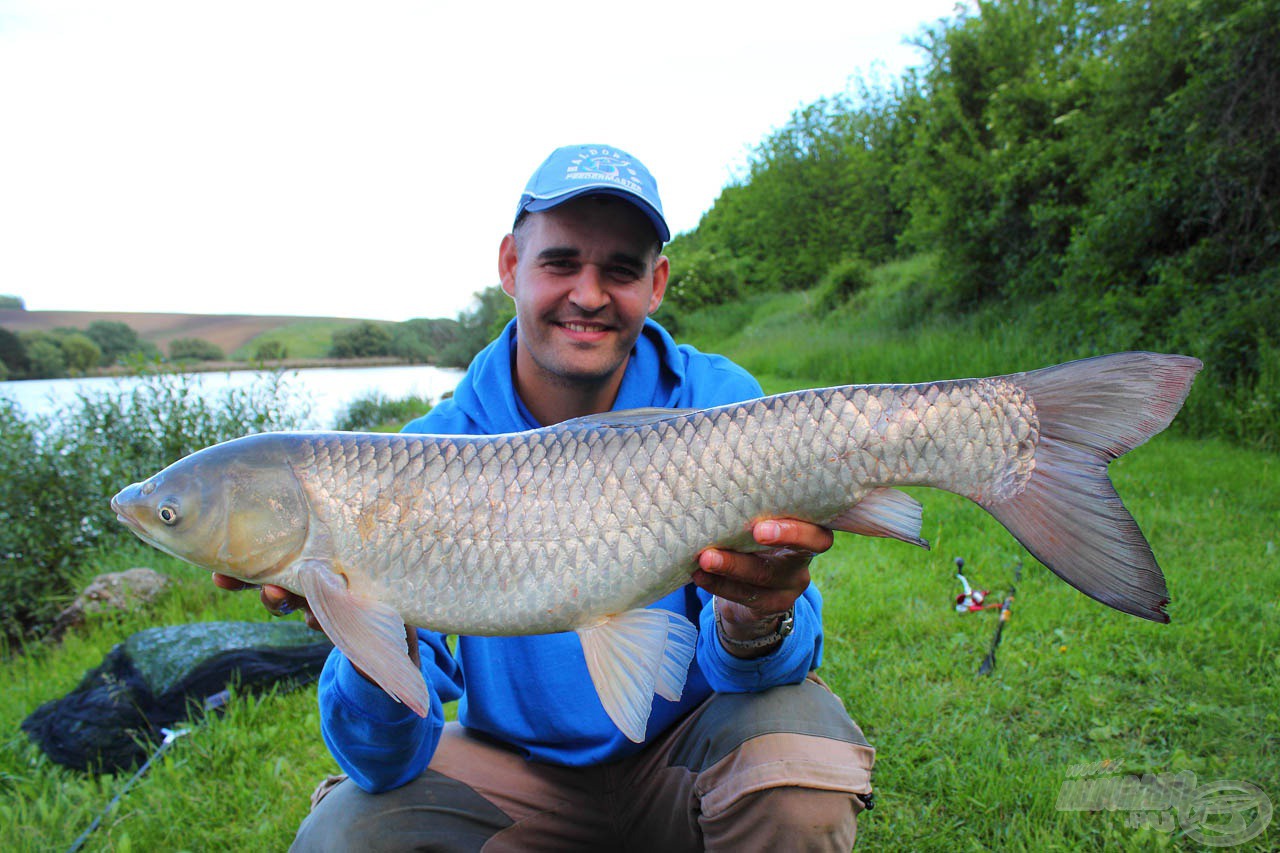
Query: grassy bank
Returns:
{"type": "Point", "coordinates": [963, 762]}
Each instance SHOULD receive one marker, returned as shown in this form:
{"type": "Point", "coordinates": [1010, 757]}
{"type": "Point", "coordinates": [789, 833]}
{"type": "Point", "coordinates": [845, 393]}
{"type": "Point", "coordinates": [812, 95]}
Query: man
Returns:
{"type": "Point", "coordinates": [756, 755]}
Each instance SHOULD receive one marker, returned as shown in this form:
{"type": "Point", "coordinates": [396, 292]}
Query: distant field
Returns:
{"type": "Point", "coordinates": [230, 332]}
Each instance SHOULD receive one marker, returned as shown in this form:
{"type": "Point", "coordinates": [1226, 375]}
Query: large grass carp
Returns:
{"type": "Point", "coordinates": [578, 526]}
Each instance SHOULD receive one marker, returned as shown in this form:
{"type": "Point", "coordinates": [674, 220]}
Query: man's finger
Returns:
{"type": "Point", "coordinates": [791, 533]}
{"type": "Point", "coordinates": [740, 568]}
{"type": "Point", "coordinates": [229, 583]}
{"type": "Point", "coordinates": [788, 570]}
{"type": "Point", "coordinates": [757, 599]}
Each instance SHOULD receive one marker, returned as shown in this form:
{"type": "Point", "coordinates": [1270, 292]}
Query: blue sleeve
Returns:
{"type": "Point", "coordinates": [799, 653]}
{"type": "Point", "coordinates": [376, 741]}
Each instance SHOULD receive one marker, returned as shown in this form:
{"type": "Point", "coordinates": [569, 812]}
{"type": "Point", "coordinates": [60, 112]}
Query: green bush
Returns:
{"type": "Point", "coordinates": [197, 349]}
{"type": "Point", "coordinates": [842, 280]}
{"type": "Point", "coordinates": [58, 473]}
{"type": "Point", "coordinates": [421, 340]}
{"type": "Point", "coordinates": [700, 278]}
{"type": "Point", "coordinates": [378, 412]}
{"type": "Point", "coordinates": [362, 340]}
{"type": "Point", "coordinates": [271, 351]}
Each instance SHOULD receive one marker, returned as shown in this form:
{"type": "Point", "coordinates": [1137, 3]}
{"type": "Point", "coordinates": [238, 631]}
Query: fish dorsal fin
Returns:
{"type": "Point", "coordinates": [629, 417]}
{"type": "Point", "coordinates": [634, 655]}
{"type": "Point", "coordinates": [368, 632]}
{"type": "Point", "coordinates": [883, 512]}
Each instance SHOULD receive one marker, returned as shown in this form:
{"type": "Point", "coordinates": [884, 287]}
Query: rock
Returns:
{"type": "Point", "coordinates": [112, 591]}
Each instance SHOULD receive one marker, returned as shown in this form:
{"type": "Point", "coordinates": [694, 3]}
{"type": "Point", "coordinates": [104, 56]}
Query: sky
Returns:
{"type": "Point", "coordinates": [364, 159]}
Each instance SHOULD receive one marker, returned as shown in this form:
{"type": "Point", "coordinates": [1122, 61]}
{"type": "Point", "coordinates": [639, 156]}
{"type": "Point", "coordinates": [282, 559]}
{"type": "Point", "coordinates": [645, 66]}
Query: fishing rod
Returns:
{"type": "Point", "coordinates": [1006, 608]}
{"type": "Point", "coordinates": [170, 735]}
{"type": "Point", "coordinates": [973, 600]}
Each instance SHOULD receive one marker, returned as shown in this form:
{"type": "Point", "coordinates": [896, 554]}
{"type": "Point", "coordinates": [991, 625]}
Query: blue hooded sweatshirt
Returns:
{"type": "Point", "coordinates": [533, 692]}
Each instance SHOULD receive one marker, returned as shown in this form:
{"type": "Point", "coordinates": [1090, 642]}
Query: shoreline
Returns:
{"type": "Point", "coordinates": [226, 366]}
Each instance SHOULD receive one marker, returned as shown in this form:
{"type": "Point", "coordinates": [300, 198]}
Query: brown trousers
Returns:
{"type": "Point", "coordinates": [777, 770]}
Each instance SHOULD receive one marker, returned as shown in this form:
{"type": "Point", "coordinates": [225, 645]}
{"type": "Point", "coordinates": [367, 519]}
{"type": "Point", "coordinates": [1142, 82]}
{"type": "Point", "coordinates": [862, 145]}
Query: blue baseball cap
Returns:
{"type": "Point", "coordinates": [578, 170]}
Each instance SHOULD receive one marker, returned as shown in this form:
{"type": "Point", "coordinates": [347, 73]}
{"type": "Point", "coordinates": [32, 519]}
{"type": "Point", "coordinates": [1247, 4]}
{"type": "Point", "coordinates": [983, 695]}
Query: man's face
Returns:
{"type": "Point", "coordinates": [584, 276]}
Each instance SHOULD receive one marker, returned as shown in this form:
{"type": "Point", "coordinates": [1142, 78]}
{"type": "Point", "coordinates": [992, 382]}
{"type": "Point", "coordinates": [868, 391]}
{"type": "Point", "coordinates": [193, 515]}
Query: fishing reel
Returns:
{"type": "Point", "coordinates": [971, 600]}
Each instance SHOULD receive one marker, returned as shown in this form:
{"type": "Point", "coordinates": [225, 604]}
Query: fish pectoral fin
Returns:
{"type": "Point", "coordinates": [884, 512]}
{"type": "Point", "coordinates": [368, 632]}
{"type": "Point", "coordinates": [634, 655]}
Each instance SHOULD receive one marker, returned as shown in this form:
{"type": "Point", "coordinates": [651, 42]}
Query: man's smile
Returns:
{"type": "Point", "coordinates": [584, 330]}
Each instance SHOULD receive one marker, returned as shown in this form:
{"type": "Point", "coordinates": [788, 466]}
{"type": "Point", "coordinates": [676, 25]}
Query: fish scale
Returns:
{"type": "Point", "coordinates": [706, 490]}
{"type": "Point", "coordinates": [579, 526]}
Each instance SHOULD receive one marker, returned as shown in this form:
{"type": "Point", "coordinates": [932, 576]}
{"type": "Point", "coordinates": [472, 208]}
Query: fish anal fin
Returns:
{"type": "Point", "coordinates": [883, 512]}
{"type": "Point", "coordinates": [634, 655]}
{"type": "Point", "coordinates": [368, 632]}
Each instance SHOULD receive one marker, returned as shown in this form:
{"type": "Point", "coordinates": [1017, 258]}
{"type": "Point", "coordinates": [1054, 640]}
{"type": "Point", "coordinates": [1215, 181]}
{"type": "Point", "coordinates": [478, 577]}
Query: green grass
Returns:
{"type": "Point", "coordinates": [241, 781]}
{"type": "Point", "coordinates": [964, 763]}
{"type": "Point", "coordinates": [968, 761]}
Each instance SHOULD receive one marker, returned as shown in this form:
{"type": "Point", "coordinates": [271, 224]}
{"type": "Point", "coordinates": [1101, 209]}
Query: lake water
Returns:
{"type": "Point", "coordinates": [327, 389]}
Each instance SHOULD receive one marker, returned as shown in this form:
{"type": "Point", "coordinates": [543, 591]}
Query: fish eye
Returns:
{"type": "Point", "coordinates": [168, 513]}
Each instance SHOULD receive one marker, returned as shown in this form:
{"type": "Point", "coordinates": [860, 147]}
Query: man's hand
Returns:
{"type": "Point", "coordinates": [755, 589]}
{"type": "Point", "coordinates": [278, 600]}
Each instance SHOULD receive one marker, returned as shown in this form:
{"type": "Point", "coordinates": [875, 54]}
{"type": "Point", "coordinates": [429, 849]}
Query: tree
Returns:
{"type": "Point", "coordinates": [13, 355]}
{"type": "Point", "coordinates": [196, 349]}
{"type": "Point", "coordinates": [478, 325]}
{"type": "Point", "coordinates": [80, 352]}
{"type": "Point", "coordinates": [115, 339]}
{"type": "Point", "coordinates": [47, 361]}
{"type": "Point", "coordinates": [9, 302]}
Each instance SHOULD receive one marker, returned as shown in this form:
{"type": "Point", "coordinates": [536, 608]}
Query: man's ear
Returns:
{"type": "Point", "coordinates": [507, 261]}
{"type": "Point", "coordinates": [661, 270]}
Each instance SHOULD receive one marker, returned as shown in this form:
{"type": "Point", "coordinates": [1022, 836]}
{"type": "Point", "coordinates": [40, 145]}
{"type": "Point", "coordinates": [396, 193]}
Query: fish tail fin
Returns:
{"type": "Point", "coordinates": [1069, 515]}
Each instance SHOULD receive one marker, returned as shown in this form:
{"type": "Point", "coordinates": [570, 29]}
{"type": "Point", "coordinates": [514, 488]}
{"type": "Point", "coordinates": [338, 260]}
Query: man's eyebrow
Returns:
{"type": "Point", "coordinates": [628, 260]}
{"type": "Point", "coordinates": [556, 253]}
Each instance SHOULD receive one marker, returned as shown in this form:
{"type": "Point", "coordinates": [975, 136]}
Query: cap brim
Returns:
{"type": "Point", "coordinates": [534, 205]}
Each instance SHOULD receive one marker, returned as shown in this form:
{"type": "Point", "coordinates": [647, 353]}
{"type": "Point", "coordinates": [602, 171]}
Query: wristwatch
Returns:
{"type": "Point", "coordinates": [785, 626]}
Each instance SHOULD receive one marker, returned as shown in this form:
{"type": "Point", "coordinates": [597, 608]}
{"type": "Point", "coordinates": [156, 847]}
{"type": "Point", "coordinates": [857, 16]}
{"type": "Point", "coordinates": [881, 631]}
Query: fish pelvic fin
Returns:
{"type": "Point", "coordinates": [1069, 515]}
{"type": "Point", "coordinates": [634, 655]}
{"type": "Point", "coordinates": [368, 632]}
{"type": "Point", "coordinates": [883, 512]}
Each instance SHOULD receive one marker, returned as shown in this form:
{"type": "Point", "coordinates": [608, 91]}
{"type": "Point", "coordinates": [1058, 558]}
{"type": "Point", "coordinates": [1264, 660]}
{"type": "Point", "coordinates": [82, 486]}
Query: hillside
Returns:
{"type": "Point", "coordinates": [227, 331]}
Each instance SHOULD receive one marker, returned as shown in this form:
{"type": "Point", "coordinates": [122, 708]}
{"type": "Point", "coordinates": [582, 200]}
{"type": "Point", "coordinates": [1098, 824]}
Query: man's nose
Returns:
{"type": "Point", "coordinates": [588, 291]}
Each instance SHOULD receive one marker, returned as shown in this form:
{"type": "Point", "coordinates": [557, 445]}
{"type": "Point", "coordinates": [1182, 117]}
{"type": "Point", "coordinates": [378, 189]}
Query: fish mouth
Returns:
{"type": "Point", "coordinates": [123, 516]}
